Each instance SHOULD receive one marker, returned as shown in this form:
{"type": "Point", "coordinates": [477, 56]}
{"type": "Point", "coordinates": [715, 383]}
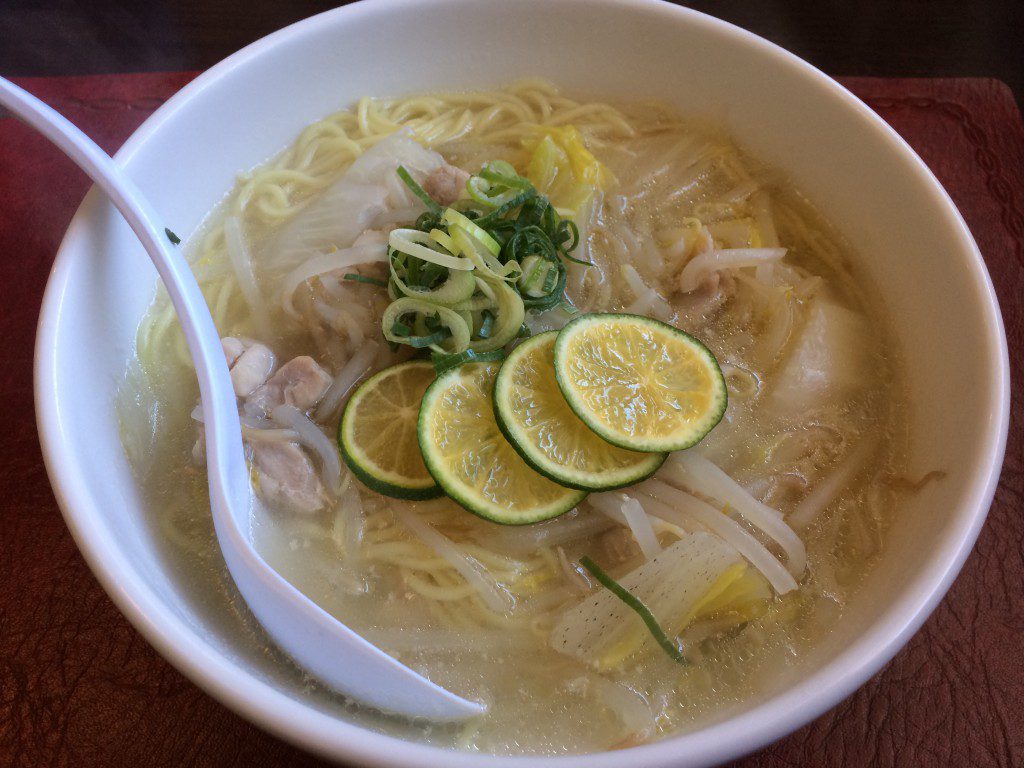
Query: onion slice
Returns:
{"type": "Point", "coordinates": [311, 436]}
{"type": "Point", "coordinates": [725, 258]}
{"type": "Point", "coordinates": [818, 499]}
{"type": "Point", "coordinates": [350, 518]}
{"type": "Point", "coordinates": [241, 263]}
{"type": "Point", "coordinates": [323, 263]}
{"type": "Point", "coordinates": [679, 507]}
{"type": "Point", "coordinates": [640, 525]}
{"type": "Point", "coordinates": [698, 474]}
{"type": "Point", "coordinates": [350, 373]}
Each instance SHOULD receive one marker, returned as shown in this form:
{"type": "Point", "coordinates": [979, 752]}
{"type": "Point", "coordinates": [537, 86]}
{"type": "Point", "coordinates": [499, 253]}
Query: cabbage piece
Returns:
{"type": "Point", "coordinates": [603, 631]}
{"type": "Point", "coordinates": [369, 188]}
{"type": "Point", "coordinates": [826, 361]}
{"type": "Point", "coordinates": [736, 233]}
{"type": "Point", "coordinates": [741, 592]}
{"type": "Point", "coordinates": [562, 168]}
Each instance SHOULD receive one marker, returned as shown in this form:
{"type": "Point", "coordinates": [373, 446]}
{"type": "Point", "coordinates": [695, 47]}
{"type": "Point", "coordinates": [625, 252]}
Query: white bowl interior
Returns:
{"type": "Point", "coordinates": [909, 239]}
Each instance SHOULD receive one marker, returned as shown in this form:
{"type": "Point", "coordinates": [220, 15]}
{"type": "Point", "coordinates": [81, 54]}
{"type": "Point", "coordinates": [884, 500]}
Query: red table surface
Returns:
{"type": "Point", "coordinates": [79, 687]}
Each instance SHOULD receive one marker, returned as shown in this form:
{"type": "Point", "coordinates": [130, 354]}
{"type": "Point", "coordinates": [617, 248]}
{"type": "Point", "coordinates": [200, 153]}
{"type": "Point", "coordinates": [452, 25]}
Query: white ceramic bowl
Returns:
{"type": "Point", "coordinates": [910, 238]}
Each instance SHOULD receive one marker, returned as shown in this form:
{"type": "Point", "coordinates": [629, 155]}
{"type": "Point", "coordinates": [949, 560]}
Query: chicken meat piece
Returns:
{"type": "Point", "coordinates": [300, 382]}
{"type": "Point", "coordinates": [233, 349]}
{"type": "Point", "coordinates": [446, 184]}
{"type": "Point", "coordinates": [251, 364]}
{"type": "Point", "coordinates": [287, 478]}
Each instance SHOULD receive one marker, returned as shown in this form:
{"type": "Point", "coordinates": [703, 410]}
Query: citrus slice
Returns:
{"type": "Point", "coordinates": [639, 383]}
{"type": "Point", "coordinates": [377, 435]}
{"type": "Point", "coordinates": [551, 438]}
{"type": "Point", "coordinates": [471, 460]}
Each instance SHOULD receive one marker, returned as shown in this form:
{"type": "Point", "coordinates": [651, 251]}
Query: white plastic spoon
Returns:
{"type": "Point", "coordinates": [322, 645]}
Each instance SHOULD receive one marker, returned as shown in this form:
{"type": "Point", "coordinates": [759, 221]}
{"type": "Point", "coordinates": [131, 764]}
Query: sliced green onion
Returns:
{"type": "Point", "coordinates": [503, 172]}
{"type": "Point", "coordinates": [396, 329]}
{"type": "Point", "coordinates": [552, 297]}
{"type": "Point", "coordinates": [633, 602]}
{"type": "Point", "coordinates": [417, 190]}
{"type": "Point", "coordinates": [475, 303]}
{"type": "Point", "coordinates": [172, 237]}
{"type": "Point", "coordinates": [462, 279]}
{"type": "Point", "coordinates": [538, 278]}
{"type": "Point", "coordinates": [485, 288]}
{"type": "Point", "coordinates": [427, 221]}
{"type": "Point", "coordinates": [550, 280]}
{"type": "Point", "coordinates": [577, 261]}
{"type": "Point", "coordinates": [480, 190]}
{"type": "Point", "coordinates": [423, 246]}
{"type": "Point", "coordinates": [530, 240]}
{"type": "Point", "coordinates": [496, 184]}
{"type": "Point", "coordinates": [459, 286]}
{"type": "Point", "coordinates": [486, 323]}
{"type": "Point", "coordinates": [544, 285]}
{"type": "Point", "coordinates": [483, 260]}
{"type": "Point", "coordinates": [536, 212]}
{"type": "Point", "coordinates": [364, 279]}
{"type": "Point", "coordinates": [509, 314]}
{"type": "Point", "coordinates": [419, 342]}
{"type": "Point", "coordinates": [453, 218]}
{"type": "Point", "coordinates": [494, 217]}
{"type": "Point", "coordinates": [443, 239]}
{"type": "Point", "coordinates": [444, 362]}
{"type": "Point", "coordinates": [567, 232]}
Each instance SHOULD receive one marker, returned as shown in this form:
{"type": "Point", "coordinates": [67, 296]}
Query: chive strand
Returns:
{"type": "Point", "coordinates": [633, 602]}
{"type": "Point", "coordinates": [444, 362]}
{"type": "Point", "coordinates": [417, 190]}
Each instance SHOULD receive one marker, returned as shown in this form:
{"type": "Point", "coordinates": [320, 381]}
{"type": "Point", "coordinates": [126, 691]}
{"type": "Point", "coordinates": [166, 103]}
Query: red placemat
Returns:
{"type": "Point", "coordinates": [79, 687]}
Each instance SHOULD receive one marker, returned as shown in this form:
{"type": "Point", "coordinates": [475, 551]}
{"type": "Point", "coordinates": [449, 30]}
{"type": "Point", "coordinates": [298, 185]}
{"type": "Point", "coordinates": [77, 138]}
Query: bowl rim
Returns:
{"type": "Point", "coordinates": [290, 718]}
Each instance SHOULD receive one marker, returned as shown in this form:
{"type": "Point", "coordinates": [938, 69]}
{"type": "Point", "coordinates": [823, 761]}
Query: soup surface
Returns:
{"type": "Point", "coordinates": [788, 496]}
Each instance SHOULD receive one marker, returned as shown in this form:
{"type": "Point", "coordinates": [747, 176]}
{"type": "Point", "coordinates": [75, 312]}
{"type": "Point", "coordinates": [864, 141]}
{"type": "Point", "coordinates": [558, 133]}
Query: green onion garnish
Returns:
{"type": "Point", "coordinates": [528, 277]}
{"type": "Point", "coordinates": [518, 245]}
{"type": "Point", "coordinates": [172, 237]}
{"type": "Point", "coordinates": [550, 280]}
{"type": "Point", "coordinates": [567, 232]}
{"type": "Point", "coordinates": [631, 600]}
{"type": "Point", "coordinates": [443, 363]}
{"type": "Point", "coordinates": [419, 342]}
{"type": "Point", "coordinates": [577, 261]}
{"type": "Point", "coordinates": [485, 325]}
{"type": "Point", "coordinates": [494, 217]}
{"type": "Point", "coordinates": [363, 279]}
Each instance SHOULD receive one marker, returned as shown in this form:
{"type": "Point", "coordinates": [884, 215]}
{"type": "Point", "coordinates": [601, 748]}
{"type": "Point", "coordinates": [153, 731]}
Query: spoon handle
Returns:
{"type": "Point", "coordinates": [220, 412]}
